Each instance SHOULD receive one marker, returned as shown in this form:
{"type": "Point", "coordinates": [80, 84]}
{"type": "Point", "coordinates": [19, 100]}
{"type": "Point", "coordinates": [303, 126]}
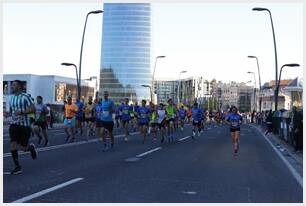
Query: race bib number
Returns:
{"type": "Point", "coordinates": [105, 113]}
{"type": "Point", "coordinates": [69, 121]}
{"type": "Point", "coordinates": [235, 124]}
{"type": "Point", "coordinates": [143, 115]}
{"type": "Point", "coordinates": [196, 121]}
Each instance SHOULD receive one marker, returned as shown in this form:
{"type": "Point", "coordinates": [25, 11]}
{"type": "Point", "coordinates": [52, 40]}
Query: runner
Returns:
{"type": "Point", "coordinates": [153, 122]}
{"type": "Point", "coordinates": [182, 114]}
{"type": "Point", "coordinates": [107, 123]}
{"type": "Point", "coordinates": [133, 118]}
{"type": "Point", "coordinates": [126, 111]}
{"type": "Point", "coordinates": [41, 120]}
{"type": "Point", "coordinates": [161, 115]}
{"type": "Point", "coordinates": [90, 117]}
{"type": "Point", "coordinates": [143, 119]}
{"type": "Point", "coordinates": [49, 117]}
{"type": "Point", "coordinates": [234, 120]}
{"type": "Point", "coordinates": [69, 121]}
{"type": "Point", "coordinates": [170, 112]}
{"type": "Point", "coordinates": [196, 120]}
{"type": "Point", "coordinates": [79, 116]}
{"type": "Point", "coordinates": [20, 106]}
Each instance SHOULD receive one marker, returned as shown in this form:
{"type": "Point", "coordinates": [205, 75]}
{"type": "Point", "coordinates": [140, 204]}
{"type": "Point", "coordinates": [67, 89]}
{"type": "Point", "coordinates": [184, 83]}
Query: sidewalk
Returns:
{"type": "Point", "coordinates": [285, 148]}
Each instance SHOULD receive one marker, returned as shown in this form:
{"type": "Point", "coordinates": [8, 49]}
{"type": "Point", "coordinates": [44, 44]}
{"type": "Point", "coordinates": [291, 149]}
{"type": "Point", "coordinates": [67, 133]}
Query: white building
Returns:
{"type": "Point", "coordinates": [53, 89]}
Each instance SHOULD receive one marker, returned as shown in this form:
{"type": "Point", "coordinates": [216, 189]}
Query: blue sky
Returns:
{"type": "Point", "coordinates": [212, 40]}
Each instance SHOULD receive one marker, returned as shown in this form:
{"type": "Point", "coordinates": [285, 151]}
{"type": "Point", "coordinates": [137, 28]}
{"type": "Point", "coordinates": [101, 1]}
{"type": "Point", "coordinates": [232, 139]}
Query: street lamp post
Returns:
{"type": "Point", "coordinates": [255, 101]}
{"type": "Point", "coordinates": [145, 85]}
{"type": "Point", "coordinates": [259, 81]}
{"type": "Point", "coordinates": [80, 64]}
{"type": "Point", "coordinates": [280, 74]}
{"type": "Point", "coordinates": [77, 77]}
{"type": "Point", "coordinates": [275, 53]}
{"type": "Point", "coordinates": [154, 73]}
{"type": "Point", "coordinates": [179, 85]}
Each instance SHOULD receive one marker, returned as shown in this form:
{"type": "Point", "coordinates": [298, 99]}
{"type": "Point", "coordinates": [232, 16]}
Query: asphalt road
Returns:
{"type": "Point", "coordinates": [200, 171]}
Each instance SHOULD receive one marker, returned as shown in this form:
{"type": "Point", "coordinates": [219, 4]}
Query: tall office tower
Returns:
{"type": "Point", "coordinates": [126, 51]}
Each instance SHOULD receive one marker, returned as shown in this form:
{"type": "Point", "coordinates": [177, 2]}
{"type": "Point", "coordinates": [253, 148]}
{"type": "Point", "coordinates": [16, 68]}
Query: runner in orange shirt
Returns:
{"type": "Point", "coordinates": [69, 121]}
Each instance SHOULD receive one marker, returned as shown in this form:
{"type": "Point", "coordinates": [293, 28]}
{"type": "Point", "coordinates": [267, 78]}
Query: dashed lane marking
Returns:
{"type": "Point", "coordinates": [46, 191]}
{"type": "Point", "coordinates": [182, 139]}
{"type": "Point", "coordinates": [148, 152]}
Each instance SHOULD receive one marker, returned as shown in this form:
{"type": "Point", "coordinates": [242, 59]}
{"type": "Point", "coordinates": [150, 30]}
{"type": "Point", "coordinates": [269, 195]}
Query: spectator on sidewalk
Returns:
{"type": "Point", "coordinates": [297, 129]}
{"type": "Point", "coordinates": [269, 122]}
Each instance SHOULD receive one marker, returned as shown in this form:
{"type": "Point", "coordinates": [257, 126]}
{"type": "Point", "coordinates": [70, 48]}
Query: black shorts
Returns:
{"type": "Point", "coordinates": [92, 119]}
{"type": "Point", "coordinates": [143, 124]}
{"type": "Point", "coordinates": [234, 129]}
{"type": "Point", "coordinates": [99, 124]}
{"type": "Point", "coordinates": [108, 125]}
{"type": "Point", "coordinates": [32, 120]}
{"type": "Point", "coordinates": [124, 122]}
{"type": "Point", "coordinates": [170, 120]}
{"type": "Point", "coordinates": [42, 125]}
{"type": "Point", "coordinates": [20, 134]}
{"type": "Point", "coordinates": [196, 123]}
{"type": "Point", "coordinates": [79, 118]}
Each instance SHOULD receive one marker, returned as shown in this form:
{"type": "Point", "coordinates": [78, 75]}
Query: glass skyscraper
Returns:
{"type": "Point", "coordinates": [126, 51]}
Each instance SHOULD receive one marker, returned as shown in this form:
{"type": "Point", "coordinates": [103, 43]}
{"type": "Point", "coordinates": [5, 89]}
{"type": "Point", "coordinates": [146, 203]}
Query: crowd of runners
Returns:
{"type": "Point", "coordinates": [99, 117]}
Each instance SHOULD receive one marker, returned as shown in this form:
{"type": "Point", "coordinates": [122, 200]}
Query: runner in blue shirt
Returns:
{"type": "Point", "coordinates": [126, 111]}
{"type": "Point", "coordinates": [196, 119]}
{"type": "Point", "coordinates": [234, 120]}
{"type": "Point", "coordinates": [106, 109]}
{"type": "Point", "coordinates": [79, 115]}
{"type": "Point", "coordinates": [182, 115]}
{"type": "Point", "coordinates": [143, 114]}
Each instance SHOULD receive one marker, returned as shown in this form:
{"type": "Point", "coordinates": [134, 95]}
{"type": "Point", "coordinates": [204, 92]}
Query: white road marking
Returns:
{"type": "Point", "coordinates": [6, 173]}
{"type": "Point", "coordinates": [63, 145]}
{"type": "Point", "coordinates": [189, 192]}
{"type": "Point", "coordinates": [46, 191]}
{"type": "Point", "coordinates": [148, 152]}
{"type": "Point", "coordinates": [58, 134]}
{"type": "Point", "coordinates": [295, 174]}
{"type": "Point", "coordinates": [182, 139]}
{"type": "Point", "coordinates": [6, 139]}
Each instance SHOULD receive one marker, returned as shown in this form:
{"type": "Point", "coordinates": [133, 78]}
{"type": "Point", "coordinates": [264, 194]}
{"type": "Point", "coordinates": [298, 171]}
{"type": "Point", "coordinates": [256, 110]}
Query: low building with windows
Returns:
{"type": "Point", "coordinates": [53, 89]}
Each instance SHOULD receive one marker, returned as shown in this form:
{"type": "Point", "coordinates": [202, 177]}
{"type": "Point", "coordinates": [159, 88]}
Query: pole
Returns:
{"type": "Point", "coordinates": [80, 64]}
{"type": "Point", "coordinates": [153, 76]}
{"type": "Point", "coordinates": [276, 70]}
{"type": "Point", "coordinates": [259, 79]}
{"type": "Point", "coordinates": [81, 52]}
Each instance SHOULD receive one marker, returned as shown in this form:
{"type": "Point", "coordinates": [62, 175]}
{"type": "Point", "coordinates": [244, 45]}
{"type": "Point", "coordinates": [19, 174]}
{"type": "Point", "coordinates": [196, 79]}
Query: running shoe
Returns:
{"type": "Point", "coordinates": [193, 133]}
{"type": "Point", "coordinates": [16, 171]}
{"type": "Point", "coordinates": [46, 143]}
{"type": "Point", "coordinates": [67, 138]}
{"type": "Point", "coordinates": [105, 149]}
{"type": "Point", "coordinates": [198, 133]}
{"type": "Point", "coordinates": [33, 151]}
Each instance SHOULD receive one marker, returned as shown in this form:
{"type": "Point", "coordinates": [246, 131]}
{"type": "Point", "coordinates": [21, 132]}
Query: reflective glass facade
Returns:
{"type": "Point", "coordinates": [126, 51]}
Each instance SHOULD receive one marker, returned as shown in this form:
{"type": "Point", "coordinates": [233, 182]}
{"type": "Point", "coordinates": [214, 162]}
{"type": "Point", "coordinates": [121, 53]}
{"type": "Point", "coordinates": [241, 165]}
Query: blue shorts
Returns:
{"type": "Point", "coordinates": [69, 122]}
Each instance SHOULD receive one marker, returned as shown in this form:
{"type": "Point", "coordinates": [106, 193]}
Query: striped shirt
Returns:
{"type": "Point", "coordinates": [20, 102]}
